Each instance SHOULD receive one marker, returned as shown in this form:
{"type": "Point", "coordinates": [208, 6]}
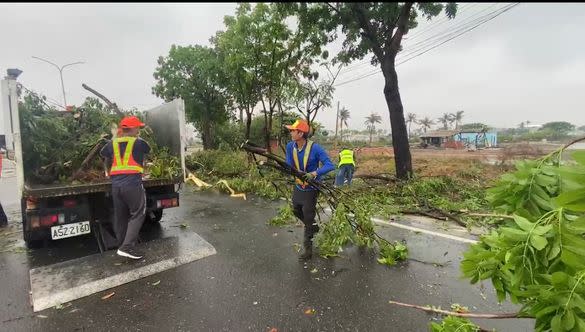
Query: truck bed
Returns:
{"type": "Point", "coordinates": [45, 191]}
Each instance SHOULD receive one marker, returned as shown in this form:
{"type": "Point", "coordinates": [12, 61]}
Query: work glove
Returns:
{"type": "Point", "coordinates": [309, 176]}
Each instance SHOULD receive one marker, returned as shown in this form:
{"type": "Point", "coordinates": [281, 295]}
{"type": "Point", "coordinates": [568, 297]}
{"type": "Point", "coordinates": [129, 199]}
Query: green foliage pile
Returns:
{"type": "Point", "coordinates": [537, 259]}
{"type": "Point", "coordinates": [451, 324]}
{"type": "Point", "coordinates": [56, 143]}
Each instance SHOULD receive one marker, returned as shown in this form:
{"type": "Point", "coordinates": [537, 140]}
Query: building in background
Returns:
{"type": "Point", "coordinates": [459, 139]}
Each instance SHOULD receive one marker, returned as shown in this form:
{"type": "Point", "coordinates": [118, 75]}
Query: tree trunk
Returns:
{"type": "Point", "coordinates": [370, 138]}
{"type": "Point", "coordinates": [402, 158]}
{"type": "Point", "coordinates": [248, 123]}
{"type": "Point", "coordinates": [206, 136]}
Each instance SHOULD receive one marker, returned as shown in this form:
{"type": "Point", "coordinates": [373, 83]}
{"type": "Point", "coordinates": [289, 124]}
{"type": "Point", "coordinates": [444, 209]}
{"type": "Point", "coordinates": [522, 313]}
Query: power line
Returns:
{"type": "Point", "coordinates": [38, 95]}
{"type": "Point", "coordinates": [434, 46]}
{"type": "Point", "coordinates": [418, 33]}
{"type": "Point", "coordinates": [432, 39]}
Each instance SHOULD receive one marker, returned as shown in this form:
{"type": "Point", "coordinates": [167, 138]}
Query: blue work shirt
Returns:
{"type": "Point", "coordinates": [318, 154]}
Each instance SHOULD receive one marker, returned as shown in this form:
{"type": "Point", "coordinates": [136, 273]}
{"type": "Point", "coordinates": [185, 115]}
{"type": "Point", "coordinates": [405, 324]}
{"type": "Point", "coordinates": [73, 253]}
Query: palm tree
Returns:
{"type": "Point", "coordinates": [343, 117]}
{"type": "Point", "coordinates": [371, 121]}
{"type": "Point", "coordinates": [410, 118]}
{"type": "Point", "coordinates": [445, 120]}
{"type": "Point", "coordinates": [426, 123]}
{"type": "Point", "coordinates": [457, 117]}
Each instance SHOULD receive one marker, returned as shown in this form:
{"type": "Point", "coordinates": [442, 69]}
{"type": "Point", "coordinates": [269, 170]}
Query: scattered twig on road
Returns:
{"type": "Point", "coordinates": [489, 215]}
{"type": "Point", "coordinates": [460, 314]}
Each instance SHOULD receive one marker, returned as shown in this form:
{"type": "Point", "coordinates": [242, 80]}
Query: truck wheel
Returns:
{"type": "Point", "coordinates": [32, 244]}
{"type": "Point", "coordinates": [154, 215]}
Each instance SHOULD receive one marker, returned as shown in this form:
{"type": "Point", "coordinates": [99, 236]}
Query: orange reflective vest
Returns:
{"type": "Point", "coordinates": [124, 164]}
{"type": "Point", "coordinates": [308, 146]}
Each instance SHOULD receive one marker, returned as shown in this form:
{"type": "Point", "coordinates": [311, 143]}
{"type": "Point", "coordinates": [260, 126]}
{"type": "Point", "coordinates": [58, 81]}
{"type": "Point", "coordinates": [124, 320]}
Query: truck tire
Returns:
{"type": "Point", "coordinates": [32, 244]}
{"type": "Point", "coordinates": [154, 215]}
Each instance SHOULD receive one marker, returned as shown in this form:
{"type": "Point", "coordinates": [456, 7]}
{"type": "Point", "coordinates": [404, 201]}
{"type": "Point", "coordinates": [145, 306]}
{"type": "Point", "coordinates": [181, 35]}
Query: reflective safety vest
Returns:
{"type": "Point", "coordinates": [346, 157]}
{"type": "Point", "coordinates": [308, 146]}
{"type": "Point", "coordinates": [126, 164]}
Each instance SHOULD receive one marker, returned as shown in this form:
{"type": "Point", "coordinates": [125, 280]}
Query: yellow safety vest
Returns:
{"type": "Point", "coordinates": [308, 146]}
{"type": "Point", "coordinates": [346, 157]}
{"type": "Point", "coordinates": [127, 164]}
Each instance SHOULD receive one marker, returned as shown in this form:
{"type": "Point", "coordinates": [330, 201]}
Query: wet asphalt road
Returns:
{"type": "Point", "coordinates": [253, 283]}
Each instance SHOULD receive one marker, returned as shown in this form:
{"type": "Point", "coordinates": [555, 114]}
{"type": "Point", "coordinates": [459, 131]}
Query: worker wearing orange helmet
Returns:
{"type": "Point", "coordinates": [305, 156]}
{"type": "Point", "coordinates": [125, 156]}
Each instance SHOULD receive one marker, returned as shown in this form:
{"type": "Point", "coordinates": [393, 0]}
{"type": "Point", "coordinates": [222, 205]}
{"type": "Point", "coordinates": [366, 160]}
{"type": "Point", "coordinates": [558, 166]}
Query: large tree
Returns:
{"type": "Point", "coordinates": [374, 28]}
{"type": "Point", "coordinates": [278, 54]}
{"type": "Point", "coordinates": [238, 48]}
{"type": "Point", "coordinates": [195, 74]}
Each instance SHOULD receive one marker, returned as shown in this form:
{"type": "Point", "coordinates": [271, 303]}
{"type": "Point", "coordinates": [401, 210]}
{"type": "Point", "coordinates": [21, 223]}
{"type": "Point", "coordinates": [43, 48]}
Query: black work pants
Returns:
{"type": "Point", "coordinates": [305, 208]}
{"type": "Point", "coordinates": [129, 212]}
{"type": "Point", "coordinates": [3, 218]}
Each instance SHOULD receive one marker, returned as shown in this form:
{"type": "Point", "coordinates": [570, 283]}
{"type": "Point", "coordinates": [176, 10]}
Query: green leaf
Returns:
{"type": "Point", "coordinates": [572, 260]}
{"type": "Point", "coordinates": [538, 242]}
{"type": "Point", "coordinates": [545, 180]}
{"type": "Point", "coordinates": [554, 251]}
{"type": "Point", "coordinates": [577, 226]}
{"type": "Point", "coordinates": [523, 223]}
{"type": "Point", "coordinates": [560, 279]}
{"type": "Point", "coordinates": [576, 250]}
{"type": "Point", "coordinates": [514, 234]}
{"type": "Point", "coordinates": [572, 200]}
{"type": "Point", "coordinates": [568, 320]}
{"type": "Point", "coordinates": [555, 323]}
{"type": "Point", "coordinates": [541, 230]}
{"type": "Point", "coordinates": [579, 302]}
{"type": "Point", "coordinates": [546, 311]}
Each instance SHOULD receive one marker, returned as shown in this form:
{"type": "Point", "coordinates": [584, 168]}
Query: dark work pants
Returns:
{"type": "Point", "coordinates": [305, 208]}
{"type": "Point", "coordinates": [129, 212]}
{"type": "Point", "coordinates": [3, 218]}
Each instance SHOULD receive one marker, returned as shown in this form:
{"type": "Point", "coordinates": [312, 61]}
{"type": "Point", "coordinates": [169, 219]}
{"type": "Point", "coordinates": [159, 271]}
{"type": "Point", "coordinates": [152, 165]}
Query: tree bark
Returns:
{"type": "Point", "coordinates": [402, 158]}
{"type": "Point", "coordinates": [248, 123]}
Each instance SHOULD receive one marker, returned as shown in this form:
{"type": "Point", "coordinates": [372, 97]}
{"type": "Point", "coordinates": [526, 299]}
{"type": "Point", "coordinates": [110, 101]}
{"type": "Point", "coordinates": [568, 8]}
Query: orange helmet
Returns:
{"type": "Point", "coordinates": [300, 125]}
{"type": "Point", "coordinates": [131, 122]}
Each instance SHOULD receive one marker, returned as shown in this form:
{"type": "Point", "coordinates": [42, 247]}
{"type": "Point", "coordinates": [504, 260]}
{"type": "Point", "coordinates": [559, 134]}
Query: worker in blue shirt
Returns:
{"type": "Point", "coordinates": [305, 156]}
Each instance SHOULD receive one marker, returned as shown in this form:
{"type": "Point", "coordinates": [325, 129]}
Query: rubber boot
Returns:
{"type": "Point", "coordinates": [307, 251]}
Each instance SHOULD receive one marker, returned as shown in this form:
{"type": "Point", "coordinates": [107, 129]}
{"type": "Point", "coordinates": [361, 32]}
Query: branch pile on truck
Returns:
{"type": "Point", "coordinates": [61, 178]}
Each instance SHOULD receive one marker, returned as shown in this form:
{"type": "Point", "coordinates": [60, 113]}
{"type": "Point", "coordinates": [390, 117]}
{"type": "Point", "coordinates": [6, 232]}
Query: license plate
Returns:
{"type": "Point", "coordinates": [69, 230]}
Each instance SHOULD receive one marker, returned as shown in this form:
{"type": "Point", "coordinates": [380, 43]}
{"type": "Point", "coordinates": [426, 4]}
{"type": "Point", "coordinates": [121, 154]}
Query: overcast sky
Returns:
{"type": "Point", "coordinates": [527, 64]}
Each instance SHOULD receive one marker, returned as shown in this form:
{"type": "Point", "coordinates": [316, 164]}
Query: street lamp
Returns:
{"type": "Point", "coordinates": [61, 73]}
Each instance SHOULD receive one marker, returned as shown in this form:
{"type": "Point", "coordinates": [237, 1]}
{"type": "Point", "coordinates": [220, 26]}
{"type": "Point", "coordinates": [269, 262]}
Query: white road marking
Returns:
{"type": "Point", "coordinates": [420, 230]}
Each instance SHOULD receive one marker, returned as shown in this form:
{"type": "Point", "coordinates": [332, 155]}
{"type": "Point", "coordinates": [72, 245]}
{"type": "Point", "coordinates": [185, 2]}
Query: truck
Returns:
{"type": "Point", "coordinates": [54, 212]}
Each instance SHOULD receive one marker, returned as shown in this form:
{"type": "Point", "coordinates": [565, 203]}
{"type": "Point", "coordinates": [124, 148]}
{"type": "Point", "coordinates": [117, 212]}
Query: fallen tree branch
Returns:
{"type": "Point", "coordinates": [375, 177]}
{"type": "Point", "coordinates": [108, 102]}
{"type": "Point", "coordinates": [489, 215]}
{"type": "Point", "coordinates": [460, 314]}
{"type": "Point", "coordinates": [89, 157]}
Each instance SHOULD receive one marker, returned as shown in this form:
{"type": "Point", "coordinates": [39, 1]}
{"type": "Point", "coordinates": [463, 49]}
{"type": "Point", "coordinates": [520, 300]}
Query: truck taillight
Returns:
{"type": "Point", "coordinates": [69, 203]}
{"type": "Point", "coordinates": [35, 222]}
{"type": "Point", "coordinates": [166, 203]}
{"type": "Point", "coordinates": [50, 219]}
{"type": "Point", "coordinates": [31, 203]}
{"type": "Point", "coordinates": [61, 219]}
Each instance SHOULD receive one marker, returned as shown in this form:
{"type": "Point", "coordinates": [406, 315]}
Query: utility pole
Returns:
{"type": "Point", "coordinates": [61, 74]}
{"type": "Point", "coordinates": [336, 123]}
